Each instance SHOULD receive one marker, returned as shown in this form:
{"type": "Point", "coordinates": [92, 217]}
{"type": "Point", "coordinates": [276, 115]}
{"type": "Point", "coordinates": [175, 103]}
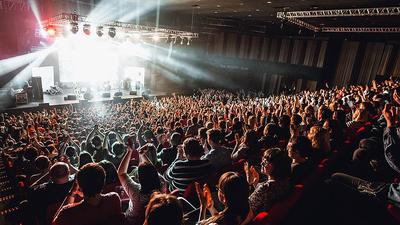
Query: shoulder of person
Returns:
{"type": "Point", "coordinates": [111, 195]}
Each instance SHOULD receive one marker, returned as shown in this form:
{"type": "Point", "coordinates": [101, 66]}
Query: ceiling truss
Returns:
{"type": "Point", "coordinates": [66, 18]}
{"type": "Point", "coordinates": [296, 17]}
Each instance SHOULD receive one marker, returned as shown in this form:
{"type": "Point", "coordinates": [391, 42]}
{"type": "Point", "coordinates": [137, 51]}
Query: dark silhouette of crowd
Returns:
{"type": "Point", "coordinates": [214, 157]}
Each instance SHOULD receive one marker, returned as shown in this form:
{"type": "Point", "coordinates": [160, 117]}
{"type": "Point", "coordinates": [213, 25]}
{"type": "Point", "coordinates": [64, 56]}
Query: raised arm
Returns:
{"type": "Point", "coordinates": [91, 134]}
{"type": "Point", "coordinates": [123, 167]}
{"type": "Point", "coordinates": [139, 135]}
{"type": "Point", "coordinates": [391, 137]}
{"type": "Point", "coordinates": [105, 143]}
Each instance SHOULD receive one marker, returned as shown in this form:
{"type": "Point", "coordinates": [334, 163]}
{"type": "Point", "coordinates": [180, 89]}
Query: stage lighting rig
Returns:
{"type": "Point", "coordinates": [99, 31]}
{"type": "Point", "coordinates": [112, 32]}
{"type": "Point", "coordinates": [86, 29]}
{"type": "Point", "coordinates": [74, 27]}
{"type": "Point", "coordinates": [71, 22]}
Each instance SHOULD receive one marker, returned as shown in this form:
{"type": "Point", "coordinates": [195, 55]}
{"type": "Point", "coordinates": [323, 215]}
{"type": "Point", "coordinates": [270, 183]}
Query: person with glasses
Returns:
{"type": "Point", "coordinates": [275, 165]}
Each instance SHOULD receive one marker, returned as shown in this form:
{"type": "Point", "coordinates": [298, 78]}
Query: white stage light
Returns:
{"type": "Point", "coordinates": [86, 29]}
{"type": "Point", "coordinates": [112, 32]}
{"type": "Point", "coordinates": [74, 27]}
{"type": "Point", "coordinates": [99, 31]}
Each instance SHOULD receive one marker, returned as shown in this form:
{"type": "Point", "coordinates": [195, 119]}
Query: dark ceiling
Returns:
{"type": "Point", "coordinates": [252, 16]}
{"type": "Point", "coordinates": [260, 15]}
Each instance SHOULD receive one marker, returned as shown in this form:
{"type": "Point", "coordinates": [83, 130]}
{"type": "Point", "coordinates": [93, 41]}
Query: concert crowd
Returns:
{"type": "Point", "coordinates": [214, 157]}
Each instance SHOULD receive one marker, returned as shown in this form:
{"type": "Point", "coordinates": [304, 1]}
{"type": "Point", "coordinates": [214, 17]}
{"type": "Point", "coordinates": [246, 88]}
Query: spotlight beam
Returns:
{"type": "Point", "coordinates": [36, 12]}
{"type": "Point", "coordinates": [190, 64]}
{"type": "Point", "coordinates": [11, 64]}
{"type": "Point", "coordinates": [27, 71]}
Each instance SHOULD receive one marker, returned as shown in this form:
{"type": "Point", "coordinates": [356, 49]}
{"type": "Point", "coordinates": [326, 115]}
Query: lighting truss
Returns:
{"type": "Point", "coordinates": [161, 32]}
{"type": "Point", "coordinates": [301, 23]}
{"type": "Point", "coordinates": [295, 18]}
{"type": "Point", "coordinates": [383, 11]}
{"type": "Point", "coordinates": [362, 29]}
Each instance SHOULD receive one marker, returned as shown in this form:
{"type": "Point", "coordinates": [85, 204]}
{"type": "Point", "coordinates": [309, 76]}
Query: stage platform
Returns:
{"type": "Point", "coordinates": [58, 100]}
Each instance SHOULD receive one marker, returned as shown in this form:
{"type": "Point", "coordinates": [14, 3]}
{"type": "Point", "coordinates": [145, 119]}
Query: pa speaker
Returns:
{"type": "Point", "coordinates": [70, 97]}
{"type": "Point", "coordinates": [37, 88]}
{"type": "Point", "coordinates": [106, 95]}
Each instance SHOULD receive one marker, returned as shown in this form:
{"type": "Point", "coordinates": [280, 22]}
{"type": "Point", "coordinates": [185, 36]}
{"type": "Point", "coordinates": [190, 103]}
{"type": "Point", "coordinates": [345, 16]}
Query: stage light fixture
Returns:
{"type": "Point", "coordinates": [99, 31]}
{"type": "Point", "coordinates": [112, 32]}
{"type": "Point", "coordinates": [74, 27]}
{"type": "Point", "coordinates": [86, 29]}
{"type": "Point", "coordinates": [51, 30]}
{"type": "Point", "coordinates": [188, 41]}
{"type": "Point", "coordinates": [182, 41]}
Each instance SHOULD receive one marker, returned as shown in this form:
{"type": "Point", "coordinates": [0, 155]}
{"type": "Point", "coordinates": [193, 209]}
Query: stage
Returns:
{"type": "Point", "coordinates": [59, 100]}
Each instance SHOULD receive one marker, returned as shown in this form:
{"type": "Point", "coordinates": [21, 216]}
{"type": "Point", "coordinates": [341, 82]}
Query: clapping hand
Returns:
{"type": "Point", "coordinates": [252, 175]}
{"type": "Point", "coordinates": [391, 115]}
{"type": "Point", "coordinates": [396, 97]}
{"type": "Point", "coordinates": [204, 195]}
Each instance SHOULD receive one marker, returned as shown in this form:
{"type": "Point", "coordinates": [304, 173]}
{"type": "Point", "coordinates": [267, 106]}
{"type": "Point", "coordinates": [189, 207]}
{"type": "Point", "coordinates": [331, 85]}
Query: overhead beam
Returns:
{"type": "Point", "coordinates": [295, 17]}
{"type": "Point", "coordinates": [382, 11]}
{"type": "Point", "coordinates": [361, 29]}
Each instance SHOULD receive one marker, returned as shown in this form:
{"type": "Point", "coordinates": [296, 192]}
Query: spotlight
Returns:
{"type": "Point", "coordinates": [74, 27]}
{"type": "Point", "coordinates": [156, 38]}
{"type": "Point", "coordinates": [51, 30]}
{"type": "Point", "coordinates": [112, 32]}
{"type": "Point", "coordinates": [182, 41]}
{"type": "Point", "coordinates": [188, 41]}
{"type": "Point", "coordinates": [86, 29]}
{"type": "Point", "coordinates": [99, 31]}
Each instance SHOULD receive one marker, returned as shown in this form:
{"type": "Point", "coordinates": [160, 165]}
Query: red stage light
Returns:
{"type": "Point", "coordinates": [51, 31]}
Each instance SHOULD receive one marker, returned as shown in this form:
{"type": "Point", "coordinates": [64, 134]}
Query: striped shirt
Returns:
{"type": "Point", "coordinates": [184, 172]}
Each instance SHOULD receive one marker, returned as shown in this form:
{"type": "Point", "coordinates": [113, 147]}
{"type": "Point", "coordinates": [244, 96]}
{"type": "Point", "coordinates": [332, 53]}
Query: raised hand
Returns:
{"type": "Point", "coordinates": [391, 115]}
{"type": "Point", "coordinates": [204, 195]}
{"type": "Point", "coordinates": [396, 97]}
{"type": "Point", "coordinates": [237, 138]}
{"type": "Point", "coordinates": [252, 175]}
